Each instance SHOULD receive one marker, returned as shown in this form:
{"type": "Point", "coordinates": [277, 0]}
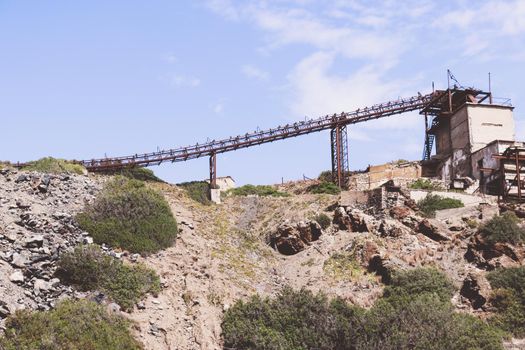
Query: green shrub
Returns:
{"type": "Point", "coordinates": [509, 299]}
{"type": "Point", "coordinates": [129, 215]}
{"type": "Point", "coordinates": [324, 187]}
{"type": "Point", "coordinates": [325, 176]}
{"type": "Point", "coordinates": [432, 202]}
{"type": "Point", "coordinates": [258, 190]}
{"type": "Point", "coordinates": [424, 321]}
{"type": "Point", "coordinates": [302, 320]}
{"type": "Point", "coordinates": [503, 228]}
{"type": "Point", "coordinates": [136, 173]}
{"type": "Point", "coordinates": [198, 191]}
{"type": "Point", "coordinates": [89, 268]}
{"type": "Point", "coordinates": [323, 220]}
{"type": "Point", "coordinates": [420, 281]}
{"type": "Point", "coordinates": [292, 320]}
{"type": "Point", "coordinates": [72, 325]}
{"type": "Point", "coordinates": [425, 184]}
{"type": "Point", "coordinates": [54, 166]}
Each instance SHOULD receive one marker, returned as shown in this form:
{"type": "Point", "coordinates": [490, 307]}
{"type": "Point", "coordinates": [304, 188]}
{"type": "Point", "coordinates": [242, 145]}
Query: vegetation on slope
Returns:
{"type": "Point", "coordinates": [433, 202]}
{"type": "Point", "coordinates": [197, 190]}
{"type": "Point", "coordinates": [503, 228]}
{"type": "Point", "coordinates": [72, 325]}
{"type": "Point", "coordinates": [509, 299]}
{"type": "Point", "coordinates": [324, 187]}
{"type": "Point", "coordinates": [257, 190]}
{"type": "Point", "coordinates": [323, 220]}
{"type": "Point", "coordinates": [129, 215]}
{"type": "Point", "coordinates": [425, 184]}
{"type": "Point", "coordinates": [89, 268]}
{"type": "Point", "coordinates": [136, 173]}
{"type": "Point", "coordinates": [421, 316]}
{"type": "Point", "coordinates": [54, 166]}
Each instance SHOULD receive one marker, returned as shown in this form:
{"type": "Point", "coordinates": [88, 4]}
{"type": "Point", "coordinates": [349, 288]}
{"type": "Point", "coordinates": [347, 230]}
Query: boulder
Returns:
{"type": "Point", "coordinates": [361, 222]}
{"type": "Point", "coordinates": [17, 277]}
{"type": "Point", "coordinates": [290, 239]}
{"type": "Point", "coordinates": [476, 289]}
{"type": "Point", "coordinates": [400, 212]}
{"type": "Point", "coordinates": [433, 230]}
{"type": "Point", "coordinates": [392, 228]}
{"type": "Point", "coordinates": [342, 219]}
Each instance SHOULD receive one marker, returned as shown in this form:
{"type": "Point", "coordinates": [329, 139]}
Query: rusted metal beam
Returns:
{"type": "Point", "coordinates": [213, 171]}
{"type": "Point", "coordinates": [260, 137]}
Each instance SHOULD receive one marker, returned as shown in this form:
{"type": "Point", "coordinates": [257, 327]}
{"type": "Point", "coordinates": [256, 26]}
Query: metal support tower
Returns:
{"type": "Point", "coordinates": [340, 165]}
{"type": "Point", "coordinates": [429, 139]}
{"type": "Point", "coordinates": [213, 171]}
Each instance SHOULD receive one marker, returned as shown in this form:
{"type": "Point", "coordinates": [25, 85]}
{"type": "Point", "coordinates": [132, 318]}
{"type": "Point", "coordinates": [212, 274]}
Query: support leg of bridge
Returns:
{"type": "Point", "coordinates": [340, 165]}
{"type": "Point", "coordinates": [213, 171]}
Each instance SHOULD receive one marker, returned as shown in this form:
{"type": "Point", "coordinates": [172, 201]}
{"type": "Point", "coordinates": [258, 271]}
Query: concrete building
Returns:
{"type": "Point", "coordinates": [468, 130]}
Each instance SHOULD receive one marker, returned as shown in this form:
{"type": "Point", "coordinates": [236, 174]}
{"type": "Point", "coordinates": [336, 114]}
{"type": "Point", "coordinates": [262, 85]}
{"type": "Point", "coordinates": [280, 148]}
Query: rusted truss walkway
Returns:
{"type": "Point", "coordinates": [329, 122]}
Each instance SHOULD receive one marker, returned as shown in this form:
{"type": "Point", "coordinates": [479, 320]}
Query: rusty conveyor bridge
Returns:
{"type": "Point", "coordinates": [336, 123]}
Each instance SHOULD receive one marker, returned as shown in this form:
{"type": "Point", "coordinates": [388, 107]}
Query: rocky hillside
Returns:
{"type": "Point", "coordinates": [36, 225]}
{"type": "Point", "coordinates": [248, 245]}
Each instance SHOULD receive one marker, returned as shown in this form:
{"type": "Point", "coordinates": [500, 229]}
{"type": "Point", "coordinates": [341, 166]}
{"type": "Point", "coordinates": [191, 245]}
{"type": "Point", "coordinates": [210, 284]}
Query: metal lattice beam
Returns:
{"type": "Point", "coordinates": [340, 165]}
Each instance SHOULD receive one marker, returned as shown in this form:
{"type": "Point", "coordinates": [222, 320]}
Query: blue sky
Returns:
{"type": "Point", "coordinates": [83, 79]}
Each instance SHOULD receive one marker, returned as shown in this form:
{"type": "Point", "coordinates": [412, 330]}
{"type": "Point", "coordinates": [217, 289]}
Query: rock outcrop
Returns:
{"type": "Point", "coordinates": [290, 239]}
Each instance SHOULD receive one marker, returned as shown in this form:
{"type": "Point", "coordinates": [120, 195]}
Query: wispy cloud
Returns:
{"type": "Point", "coordinates": [179, 80]}
{"type": "Point", "coordinates": [254, 72]}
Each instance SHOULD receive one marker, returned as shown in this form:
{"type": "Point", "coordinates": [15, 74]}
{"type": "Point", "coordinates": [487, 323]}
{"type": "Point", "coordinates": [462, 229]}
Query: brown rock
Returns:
{"type": "Point", "coordinates": [433, 231]}
{"type": "Point", "coordinates": [400, 213]}
{"type": "Point", "coordinates": [476, 289]}
{"type": "Point", "coordinates": [342, 219]}
{"type": "Point", "coordinates": [391, 228]}
{"type": "Point", "coordinates": [290, 239]}
{"type": "Point", "coordinates": [361, 222]}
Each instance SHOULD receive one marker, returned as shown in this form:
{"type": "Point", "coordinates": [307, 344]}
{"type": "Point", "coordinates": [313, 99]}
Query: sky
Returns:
{"type": "Point", "coordinates": [88, 79]}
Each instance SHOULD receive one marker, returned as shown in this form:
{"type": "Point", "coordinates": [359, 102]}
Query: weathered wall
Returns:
{"type": "Point", "coordinates": [443, 141]}
{"type": "Point", "coordinates": [459, 129]}
{"type": "Point", "coordinates": [377, 175]}
{"type": "Point", "coordinates": [488, 123]}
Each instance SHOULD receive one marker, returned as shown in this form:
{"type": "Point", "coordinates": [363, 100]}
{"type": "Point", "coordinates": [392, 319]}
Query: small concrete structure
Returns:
{"type": "Point", "coordinates": [223, 184]}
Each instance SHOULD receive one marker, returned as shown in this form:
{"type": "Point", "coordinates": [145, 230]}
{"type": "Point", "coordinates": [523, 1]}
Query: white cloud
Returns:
{"type": "Point", "coordinates": [316, 91]}
{"type": "Point", "coordinates": [178, 80]}
{"type": "Point", "coordinates": [218, 108]}
{"type": "Point", "coordinates": [484, 29]}
{"type": "Point", "coordinates": [171, 58]}
{"type": "Point", "coordinates": [225, 8]}
{"type": "Point", "coordinates": [254, 72]}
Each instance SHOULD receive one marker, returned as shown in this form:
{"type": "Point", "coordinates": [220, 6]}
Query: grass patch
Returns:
{"type": "Point", "coordinates": [503, 228]}
{"type": "Point", "coordinates": [88, 268]}
{"type": "Point", "coordinates": [72, 325]}
{"type": "Point", "coordinates": [54, 166]}
{"type": "Point", "coordinates": [257, 190]}
{"type": "Point", "coordinates": [324, 188]}
{"type": "Point", "coordinates": [343, 267]}
{"type": "Point", "coordinates": [323, 220]}
{"type": "Point", "coordinates": [425, 184]}
{"type": "Point", "coordinates": [129, 215]}
{"type": "Point", "coordinates": [433, 202]}
{"type": "Point", "coordinates": [197, 190]}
